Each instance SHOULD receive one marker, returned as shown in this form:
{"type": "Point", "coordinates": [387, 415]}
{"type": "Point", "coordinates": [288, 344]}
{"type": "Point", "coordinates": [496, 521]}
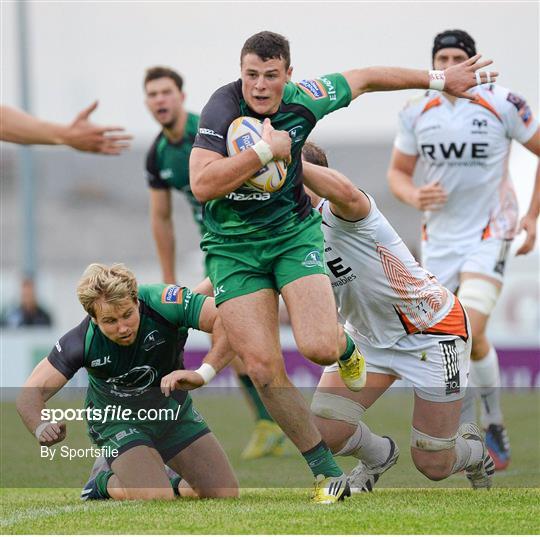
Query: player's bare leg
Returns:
{"type": "Point", "coordinates": [485, 376]}
{"type": "Point", "coordinates": [251, 322]}
{"type": "Point", "coordinates": [204, 465]}
{"type": "Point", "coordinates": [319, 337]}
{"type": "Point", "coordinates": [267, 437]}
{"type": "Point", "coordinates": [136, 474]}
{"type": "Point", "coordinates": [439, 448]}
{"type": "Point", "coordinates": [338, 414]}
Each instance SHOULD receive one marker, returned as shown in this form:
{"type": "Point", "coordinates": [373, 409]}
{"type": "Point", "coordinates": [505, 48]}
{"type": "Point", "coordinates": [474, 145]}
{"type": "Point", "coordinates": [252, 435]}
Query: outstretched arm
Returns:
{"type": "Point", "coordinates": [21, 128]}
{"type": "Point", "coordinates": [346, 201]}
{"type": "Point", "coordinates": [218, 357]}
{"type": "Point", "coordinates": [457, 79]}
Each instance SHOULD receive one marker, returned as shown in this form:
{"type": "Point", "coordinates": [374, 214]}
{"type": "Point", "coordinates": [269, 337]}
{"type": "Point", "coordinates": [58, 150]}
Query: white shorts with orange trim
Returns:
{"type": "Point", "coordinates": [436, 366]}
{"type": "Point", "coordinates": [486, 257]}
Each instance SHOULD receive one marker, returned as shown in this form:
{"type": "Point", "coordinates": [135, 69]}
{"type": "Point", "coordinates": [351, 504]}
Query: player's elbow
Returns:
{"type": "Point", "coordinates": [201, 192]}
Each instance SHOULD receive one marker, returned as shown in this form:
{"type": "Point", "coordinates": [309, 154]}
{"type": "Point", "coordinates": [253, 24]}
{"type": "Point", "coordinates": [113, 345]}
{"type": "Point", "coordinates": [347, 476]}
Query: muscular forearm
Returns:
{"type": "Point", "coordinates": [30, 402]}
{"type": "Point", "coordinates": [224, 175]}
{"type": "Point", "coordinates": [165, 244]}
{"type": "Point", "coordinates": [385, 79]}
{"type": "Point", "coordinates": [19, 127]}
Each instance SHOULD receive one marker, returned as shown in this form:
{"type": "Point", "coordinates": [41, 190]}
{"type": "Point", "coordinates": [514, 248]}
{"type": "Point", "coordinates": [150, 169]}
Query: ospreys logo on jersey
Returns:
{"type": "Point", "coordinates": [313, 259]}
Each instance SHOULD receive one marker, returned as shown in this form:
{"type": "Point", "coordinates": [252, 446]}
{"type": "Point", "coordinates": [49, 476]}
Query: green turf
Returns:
{"type": "Point", "coordinates": [404, 502]}
{"type": "Point", "coordinates": [514, 511]}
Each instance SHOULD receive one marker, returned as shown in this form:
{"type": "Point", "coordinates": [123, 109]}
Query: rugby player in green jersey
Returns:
{"type": "Point", "coordinates": [167, 168]}
{"type": "Point", "coordinates": [261, 244]}
{"type": "Point", "coordinates": [129, 343]}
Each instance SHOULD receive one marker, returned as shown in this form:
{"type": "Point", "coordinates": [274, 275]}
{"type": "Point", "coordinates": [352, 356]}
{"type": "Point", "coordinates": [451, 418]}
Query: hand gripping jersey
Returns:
{"type": "Point", "coordinates": [466, 147]}
{"type": "Point", "coordinates": [245, 213]}
{"type": "Point", "coordinates": [382, 293]}
{"type": "Point", "coordinates": [167, 165]}
{"type": "Point", "coordinates": [130, 375]}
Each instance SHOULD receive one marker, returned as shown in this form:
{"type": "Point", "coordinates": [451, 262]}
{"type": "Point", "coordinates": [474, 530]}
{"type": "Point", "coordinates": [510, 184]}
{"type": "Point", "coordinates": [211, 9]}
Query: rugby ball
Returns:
{"type": "Point", "coordinates": [243, 133]}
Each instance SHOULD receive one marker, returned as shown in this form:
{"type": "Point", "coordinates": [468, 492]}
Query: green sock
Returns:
{"type": "Point", "coordinates": [349, 350]}
{"type": "Point", "coordinates": [101, 482]}
{"type": "Point", "coordinates": [321, 461]}
{"type": "Point", "coordinates": [260, 409]}
{"type": "Point", "coordinates": [175, 481]}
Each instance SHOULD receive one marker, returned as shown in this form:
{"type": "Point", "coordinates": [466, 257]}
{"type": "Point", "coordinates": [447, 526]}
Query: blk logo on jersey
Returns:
{"type": "Point", "coordinates": [172, 294]}
{"type": "Point", "coordinates": [101, 361]}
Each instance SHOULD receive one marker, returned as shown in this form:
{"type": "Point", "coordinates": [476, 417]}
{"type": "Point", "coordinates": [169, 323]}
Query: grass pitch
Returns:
{"type": "Point", "coordinates": [275, 494]}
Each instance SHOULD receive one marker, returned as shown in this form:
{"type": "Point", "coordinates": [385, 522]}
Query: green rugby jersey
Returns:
{"type": "Point", "coordinates": [167, 165]}
{"type": "Point", "coordinates": [248, 213]}
{"type": "Point", "coordinates": [130, 376]}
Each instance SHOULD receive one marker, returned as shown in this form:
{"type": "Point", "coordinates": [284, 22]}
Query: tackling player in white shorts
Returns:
{"type": "Point", "coordinates": [407, 325]}
{"type": "Point", "coordinates": [470, 208]}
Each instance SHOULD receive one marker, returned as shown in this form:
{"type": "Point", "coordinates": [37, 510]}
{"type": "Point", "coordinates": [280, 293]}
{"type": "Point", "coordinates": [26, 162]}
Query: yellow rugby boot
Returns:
{"type": "Point", "coordinates": [330, 489]}
{"type": "Point", "coordinates": [267, 439]}
{"type": "Point", "coordinates": [353, 371]}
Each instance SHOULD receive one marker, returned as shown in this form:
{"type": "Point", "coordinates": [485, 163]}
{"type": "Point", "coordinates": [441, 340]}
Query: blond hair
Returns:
{"type": "Point", "coordinates": [112, 283]}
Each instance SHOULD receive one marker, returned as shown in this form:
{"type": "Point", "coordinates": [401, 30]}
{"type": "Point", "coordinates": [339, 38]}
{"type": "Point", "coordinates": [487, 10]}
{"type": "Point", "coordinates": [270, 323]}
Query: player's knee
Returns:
{"type": "Point", "coordinates": [433, 456]}
{"type": "Point", "coordinates": [320, 352]}
{"type": "Point", "coordinates": [433, 467]}
{"type": "Point", "coordinates": [262, 373]}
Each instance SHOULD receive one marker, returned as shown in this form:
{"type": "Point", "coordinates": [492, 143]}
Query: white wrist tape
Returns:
{"type": "Point", "coordinates": [263, 152]}
{"type": "Point", "coordinates": [436, 80]}
{"type": "Point", "coordinates": [207, 372]}
{"type": "Point", "coordinates": [40, 428]}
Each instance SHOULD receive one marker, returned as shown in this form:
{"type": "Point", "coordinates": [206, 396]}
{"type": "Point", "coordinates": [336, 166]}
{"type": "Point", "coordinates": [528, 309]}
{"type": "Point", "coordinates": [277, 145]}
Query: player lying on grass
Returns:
{"type": "Point", "coordinates": [407, 326]}
{"type": "Point", "coordinates": [129, 342]}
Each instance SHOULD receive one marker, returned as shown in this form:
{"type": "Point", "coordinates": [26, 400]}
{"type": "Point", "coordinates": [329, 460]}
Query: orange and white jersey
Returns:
{"type": "Point", "coordinates": [382, 293]}
{"type": "Point", "coordinates": [465, 146]}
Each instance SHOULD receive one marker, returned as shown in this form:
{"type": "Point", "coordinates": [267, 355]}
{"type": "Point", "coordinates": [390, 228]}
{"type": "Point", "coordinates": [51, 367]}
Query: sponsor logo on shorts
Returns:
{"type": "Point", "coordinates": [172, 294]}
{"type": "Point", "coordinates": [210, 132]}
{"type": "Point", "coordinates": [313, 259]}
{"type": "Point", "coordinates": [314, 88]}
{"type": "Point", "coordinates": [126, 432]}
{"type": "Point", "coordinates": [58, 346]}
{"type": "Point", "coordinates": [500, 265]}
{"type": "Point", "coordinates": [451, 366]}
{"type": "Point", "coordinates": [153, 339]}
{"type": "Point", "coordinates": [166, 174]}
{"type": "Point", "coordinates": [219, 290]}
{"type": "Point", "coordinates": [197, 417]}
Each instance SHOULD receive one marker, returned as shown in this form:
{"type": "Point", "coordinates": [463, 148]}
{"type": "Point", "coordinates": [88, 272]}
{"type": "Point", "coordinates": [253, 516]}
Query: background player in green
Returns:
{"type": "Point", "coordinates": [259, 245]}
{"type": "Point", "coordinates": [129, 344]}
{"type": "Point", "coordinates": [167, 167]}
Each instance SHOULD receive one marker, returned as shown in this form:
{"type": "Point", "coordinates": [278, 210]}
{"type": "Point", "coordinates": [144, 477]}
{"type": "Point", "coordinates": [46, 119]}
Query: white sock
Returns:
{"type": "Point", "coordinates": [369, 447]}
{"type": "Point", "coordinates": [485, 374]}
{"type": "Point", "coordinates": [468, 453]}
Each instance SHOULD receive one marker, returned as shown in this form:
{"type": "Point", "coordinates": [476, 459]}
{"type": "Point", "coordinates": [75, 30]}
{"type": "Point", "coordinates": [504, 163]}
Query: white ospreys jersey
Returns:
{"type": "Point", "coordinates": [382, 293]}
{"type": "Point", "coordinates": [466, 146]}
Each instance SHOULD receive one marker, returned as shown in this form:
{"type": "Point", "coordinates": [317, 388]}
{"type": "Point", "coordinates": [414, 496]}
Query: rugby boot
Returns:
{"type": "Point", "coordinates": [353, 371]}
{"type": "Point", "coordinates": [498, 445]}
{"type": "Point", "coordinates": [363, 477]}
{"type": "Point", "coordinates": [330, 489]}
{"type": "Point", "coordinates": [267, 439]}
{"type": "Point", "coordinates": [480, 475]}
